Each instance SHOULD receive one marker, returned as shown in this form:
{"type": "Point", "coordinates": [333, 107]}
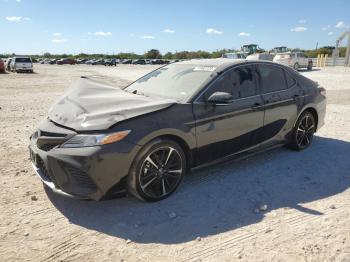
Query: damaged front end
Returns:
{"type": "Point", "coordinates": [79, 172]}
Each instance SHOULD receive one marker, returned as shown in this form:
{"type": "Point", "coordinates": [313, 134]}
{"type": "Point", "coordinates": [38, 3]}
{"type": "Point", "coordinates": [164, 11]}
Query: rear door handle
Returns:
{"type": "Point", "coordinates": [256, 106]}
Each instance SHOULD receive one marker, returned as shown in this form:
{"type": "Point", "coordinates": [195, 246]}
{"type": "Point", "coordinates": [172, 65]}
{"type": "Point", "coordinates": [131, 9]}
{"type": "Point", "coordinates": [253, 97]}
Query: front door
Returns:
{"type": "Point", "coordinates": [225, 129]}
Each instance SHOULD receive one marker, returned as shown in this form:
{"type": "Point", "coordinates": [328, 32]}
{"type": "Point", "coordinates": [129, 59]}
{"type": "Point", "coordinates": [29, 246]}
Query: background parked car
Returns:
{"type": "Point", "coordinates": [139, 62]}
{"type": "Point", "coordinates": [260, 56]}
{"type": "Point", "coordinates": [82, 61]}
{"type": "Point", "coordinates": [111, 62]}
{"type": "Point", "coordinates": [98, 62]}
{"type": "Point", "coordinates": [2, 66]}
{"type": "Point", "coordinates": [66, 61]}
{"type": "Point", "coordinates": [90, 62]}
{"type": "Point", "coordinates": [294, 59]}
{"type": "Point", "coordinates": [21, 64]}
{"type": "Point", "coordinates": [127, 61]}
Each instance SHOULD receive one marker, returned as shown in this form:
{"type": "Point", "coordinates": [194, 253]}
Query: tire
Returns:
{"type": "Point", "coordinates": [157, 170]}
{"type": "Point", "coordinates": [303, 132]}
{"type": "Point", "coordinates": [309, 66]}
{"type": "Point", "coordinates": [296, 66]}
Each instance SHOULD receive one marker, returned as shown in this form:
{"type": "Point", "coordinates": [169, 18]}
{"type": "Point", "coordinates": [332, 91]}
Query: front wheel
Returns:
{"type": "Point", "coordinates": [157, 170]}
{"type": "Point", "coordinates": [303, 132]}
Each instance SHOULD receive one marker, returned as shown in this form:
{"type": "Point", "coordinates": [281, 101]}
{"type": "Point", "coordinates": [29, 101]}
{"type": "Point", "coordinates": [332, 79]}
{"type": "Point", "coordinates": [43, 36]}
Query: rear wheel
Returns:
{"type": "Point", "coordinates": [157, 171]}
{"type": "Point", "coordinates": [296, 66]}
{"type": "Point", "coordinates": [309, 66]}
{"type": "Point", "coordinates": [303, 132]}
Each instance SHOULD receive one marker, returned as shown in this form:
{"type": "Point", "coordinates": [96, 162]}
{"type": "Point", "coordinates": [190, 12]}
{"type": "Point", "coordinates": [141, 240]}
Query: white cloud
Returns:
{"type": "Point", "coordinates": [340, 24]}
{"type": "Point", "coordinates": [100, 33]}
{"type": "Point", "coordinates": [57, 34]}
{"type": "Point", "coordinates": [244, 34]}
{"type": "Point", "coordinates": [302, 21]}
{"type": "Point", "coordinates": [18, 1]}
{"type": "Point", "coordinates": [213, 31]}
{"type": "Point", "coordinates": [17, 19]}
{"type": "Point", "coordinates": [147, 37]}
{"type": "Point", "coordinates": [330, 33]}
{"type": "Point", "coordinates": [169, 31]}
{"type": "Point", "coordinates": [325, 28]}
{"type": "Point", "coordinates": [58, 41]}
{"type": "Point", "coordinates": [298, 29]}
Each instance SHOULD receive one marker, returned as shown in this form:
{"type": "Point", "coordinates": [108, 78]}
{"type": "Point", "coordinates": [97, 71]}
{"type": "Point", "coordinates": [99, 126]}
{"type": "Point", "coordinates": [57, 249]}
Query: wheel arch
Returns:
{"type": "Point", "coordinates": [313, 111]}
{"type": "Point", "coordinates": [181, 142]}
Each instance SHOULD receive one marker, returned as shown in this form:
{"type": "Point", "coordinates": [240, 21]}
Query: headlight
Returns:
{"type": "Point", "coordinates": [95, 139]}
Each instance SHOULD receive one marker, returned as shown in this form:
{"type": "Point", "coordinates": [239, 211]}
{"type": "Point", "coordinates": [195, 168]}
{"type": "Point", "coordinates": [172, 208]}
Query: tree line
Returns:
{"type": "Point", "coordinates": [156, 54]}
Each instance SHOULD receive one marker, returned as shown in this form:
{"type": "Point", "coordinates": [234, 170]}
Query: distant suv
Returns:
{"type": "Point", "coordinates": [295, 59]}
{"type": "Point", "coordinates": [21, 64]}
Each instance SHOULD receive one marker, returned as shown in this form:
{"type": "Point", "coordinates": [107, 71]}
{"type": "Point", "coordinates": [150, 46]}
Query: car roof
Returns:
{"type": "Point", "coordinates": [221, 64]}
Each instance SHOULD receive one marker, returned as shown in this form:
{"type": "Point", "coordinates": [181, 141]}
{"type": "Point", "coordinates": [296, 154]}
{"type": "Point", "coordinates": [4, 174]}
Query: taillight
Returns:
{"type": "Point", "coordinates": [322, 91]}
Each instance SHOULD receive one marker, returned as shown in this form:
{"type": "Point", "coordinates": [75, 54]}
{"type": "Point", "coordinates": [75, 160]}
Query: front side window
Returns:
{"type": "Point", "coordinates": [272, 78]}
{"type": "Point", "coordinates": [239, 82]}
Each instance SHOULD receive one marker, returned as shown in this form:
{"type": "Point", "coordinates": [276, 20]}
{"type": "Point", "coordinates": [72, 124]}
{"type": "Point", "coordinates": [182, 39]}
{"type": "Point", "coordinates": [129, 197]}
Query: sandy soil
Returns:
{"type": "Point", "coordinates": [214, 216]}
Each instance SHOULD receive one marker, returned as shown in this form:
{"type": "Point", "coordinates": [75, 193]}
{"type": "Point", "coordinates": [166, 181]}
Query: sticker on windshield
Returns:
{"type": "Point", "coordinates": [204, 68]}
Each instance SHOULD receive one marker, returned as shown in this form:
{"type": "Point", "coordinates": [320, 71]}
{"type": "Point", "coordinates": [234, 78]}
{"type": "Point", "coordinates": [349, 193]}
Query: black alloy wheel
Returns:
{"type": "Point", "coordinates": [303, 132]}
{"type": "Point", "coordinates": [159, 171]}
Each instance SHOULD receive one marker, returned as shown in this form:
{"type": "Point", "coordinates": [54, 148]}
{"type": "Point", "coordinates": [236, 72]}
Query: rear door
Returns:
{"type": "Point", "coordinates": [225, 129]}
{"type": "Point", "coordinates": [281, 96]}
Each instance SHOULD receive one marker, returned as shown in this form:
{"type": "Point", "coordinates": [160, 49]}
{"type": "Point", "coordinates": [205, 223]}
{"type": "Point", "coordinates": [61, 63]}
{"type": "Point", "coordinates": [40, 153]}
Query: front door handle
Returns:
{"type": "Point", "coordinates": [256, 106]}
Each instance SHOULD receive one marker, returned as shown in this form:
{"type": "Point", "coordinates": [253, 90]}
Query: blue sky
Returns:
{"type": "Point", "coordinates": [106, 26]}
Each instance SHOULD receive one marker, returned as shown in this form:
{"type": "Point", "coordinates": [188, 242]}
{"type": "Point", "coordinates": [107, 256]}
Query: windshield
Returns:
{"type": "Point", "coordinates": [173, 81]}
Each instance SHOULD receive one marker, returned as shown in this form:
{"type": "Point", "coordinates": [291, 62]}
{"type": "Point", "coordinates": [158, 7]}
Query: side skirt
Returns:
{"type": "Point", "coordinates": [239, 156]}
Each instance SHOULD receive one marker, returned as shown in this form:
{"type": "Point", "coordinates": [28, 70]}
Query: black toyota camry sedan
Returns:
{"type": "Point", "coordinates": [98, 140]}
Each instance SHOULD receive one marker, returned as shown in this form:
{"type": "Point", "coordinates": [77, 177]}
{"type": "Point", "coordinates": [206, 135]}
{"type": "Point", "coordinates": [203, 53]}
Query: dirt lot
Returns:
{"type": "Point", "coordinates": [213, 215]}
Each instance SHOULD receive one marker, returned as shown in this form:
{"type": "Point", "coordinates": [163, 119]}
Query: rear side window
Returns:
{"type": "Point", "coordinates": [272, 78]}
{"type": "Point", "coordinates": [23, 60]}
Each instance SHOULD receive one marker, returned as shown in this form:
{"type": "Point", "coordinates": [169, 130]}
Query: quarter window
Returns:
{"type": "Point", "coordinates": [272, 78]}
{"type": "Point", "coordinates": [290, 80]}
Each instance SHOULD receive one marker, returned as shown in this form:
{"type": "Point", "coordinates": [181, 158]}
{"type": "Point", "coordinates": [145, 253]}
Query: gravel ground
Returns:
{"type": "Point", "coordinates": [277, 206]}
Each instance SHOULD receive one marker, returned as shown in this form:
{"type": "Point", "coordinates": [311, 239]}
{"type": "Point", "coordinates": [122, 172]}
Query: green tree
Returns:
{"type": "Point", "coordinates": [153, 54]}
{"type": "Point", "coordinates": [168, 55]}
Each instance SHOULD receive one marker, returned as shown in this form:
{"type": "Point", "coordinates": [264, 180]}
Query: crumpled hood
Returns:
{"type": "Point", "coordinates": [89, 105]}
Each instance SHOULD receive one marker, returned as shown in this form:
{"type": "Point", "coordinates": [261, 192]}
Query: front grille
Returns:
{"type": "Point", "coordinates": [47, 141]}
{"type": "Point", "coordinates": [48, 147]}
{"type": "Point", "coordinates": [50, 134]}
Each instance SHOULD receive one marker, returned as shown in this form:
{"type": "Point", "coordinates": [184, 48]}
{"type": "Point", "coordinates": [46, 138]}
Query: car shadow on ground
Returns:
{"type": "Point", "coordinates": [221, 198]}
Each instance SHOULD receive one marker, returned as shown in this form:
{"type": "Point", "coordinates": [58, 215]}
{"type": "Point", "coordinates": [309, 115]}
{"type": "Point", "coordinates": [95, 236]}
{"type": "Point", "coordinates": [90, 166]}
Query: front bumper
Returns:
{"type": "Point", "coordinates": [86, 173]}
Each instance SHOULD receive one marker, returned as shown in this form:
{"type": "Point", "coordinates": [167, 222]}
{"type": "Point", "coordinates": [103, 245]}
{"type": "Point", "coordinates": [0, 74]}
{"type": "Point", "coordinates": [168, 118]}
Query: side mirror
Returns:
{"type": "Point", "coordinates": [220, 98]}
